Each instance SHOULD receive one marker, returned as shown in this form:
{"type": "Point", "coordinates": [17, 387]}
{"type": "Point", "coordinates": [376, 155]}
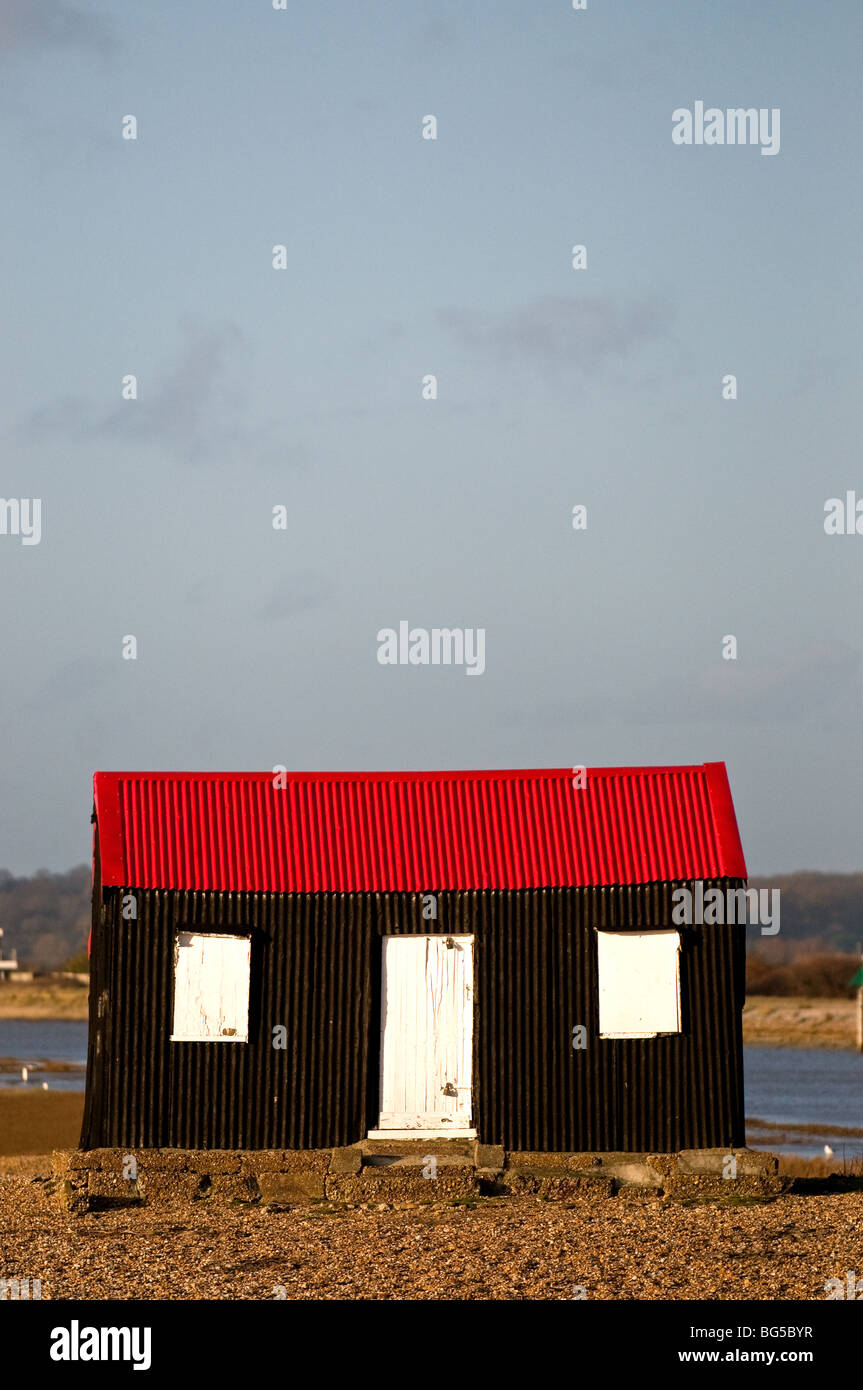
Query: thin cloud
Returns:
{"type": "Point", "coordinates": [191, 412]}
{"type": "Point", "coordinates": [562, 330]}
{"type": "Point", "coordinates": [40, 25]}
{"type": "Point", "coordinates": [792, 688]}
{"type": "Point", "coordinates": [185, 407]}
{"type": "Point", "coordinates": [437, 35]}
{"type": "Point", "coordinates": [73, 682]}
{"type": "Point", "coordinates": [296, 593]}
{"type": "Point", "coordinates": [736, 692]}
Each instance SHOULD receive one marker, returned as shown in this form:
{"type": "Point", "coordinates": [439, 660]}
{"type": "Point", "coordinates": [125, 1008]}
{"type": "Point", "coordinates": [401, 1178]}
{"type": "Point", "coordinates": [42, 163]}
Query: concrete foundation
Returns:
{"type": "Point", "coordinates": [408, 1172]}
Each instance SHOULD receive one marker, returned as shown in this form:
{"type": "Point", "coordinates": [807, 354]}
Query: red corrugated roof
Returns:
{"type": "Point", "coordinates": [415, 831]}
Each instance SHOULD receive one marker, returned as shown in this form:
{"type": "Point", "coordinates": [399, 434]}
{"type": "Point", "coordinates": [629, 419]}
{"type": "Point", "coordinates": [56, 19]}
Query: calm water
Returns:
{"type": "Point", "coordinates": [804, 1086]}
{"type": "Point", "coordinates": [784, 1085]}
{"type": "Point", "coordinates": [33, 1042]}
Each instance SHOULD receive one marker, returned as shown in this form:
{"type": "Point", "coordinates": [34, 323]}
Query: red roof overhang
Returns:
{"type": "Point", "coordinates": [415, 831]}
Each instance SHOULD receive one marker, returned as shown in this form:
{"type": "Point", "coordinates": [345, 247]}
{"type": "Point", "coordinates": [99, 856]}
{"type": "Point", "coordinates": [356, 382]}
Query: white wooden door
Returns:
{"type": "Point", "coordinates": [426, 1033]}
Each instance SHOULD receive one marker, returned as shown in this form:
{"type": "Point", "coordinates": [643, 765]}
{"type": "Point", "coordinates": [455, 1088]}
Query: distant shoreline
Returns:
{"type": "Point", "coordinates": [768, 1020]}
{"type": "Point", "coordinates": [49, 1000]}
{"type": "Point", "coordinates": [775, 1021]}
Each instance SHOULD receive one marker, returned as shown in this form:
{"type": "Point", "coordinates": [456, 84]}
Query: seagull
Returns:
{"type": "Point", "coordinates": [828, 1151]}
{"type": "Point", "coordinates": [24, 1073]}
{"type": "Point", "coordinates": [44, 1085]}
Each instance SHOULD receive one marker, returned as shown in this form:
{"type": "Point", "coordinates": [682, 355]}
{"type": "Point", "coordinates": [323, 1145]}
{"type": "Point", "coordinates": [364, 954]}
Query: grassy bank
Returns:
{"type": "Point", "coordinates": [44, 999]}
{"type": "Point", "coordinates": [782, 1022]}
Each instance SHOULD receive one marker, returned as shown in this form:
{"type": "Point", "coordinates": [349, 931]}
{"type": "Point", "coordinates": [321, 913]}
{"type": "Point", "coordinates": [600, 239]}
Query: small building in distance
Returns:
{"type": "Point", "coordinates": [304, 960]}
{"type": "Point", "coordinates": [8, 964]}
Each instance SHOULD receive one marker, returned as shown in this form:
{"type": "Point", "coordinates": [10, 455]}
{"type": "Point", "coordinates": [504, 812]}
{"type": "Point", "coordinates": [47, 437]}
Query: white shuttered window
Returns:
{"type": "Point", "coordinates": [211, 987]}
{"type": "Point", "coordinates": [639, 983]}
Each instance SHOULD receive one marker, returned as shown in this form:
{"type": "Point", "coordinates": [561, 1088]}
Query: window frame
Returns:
{"type": "Point", "coordinates": [241, 1034]}
{"type": "Point", "coordinates": [641, 1033]}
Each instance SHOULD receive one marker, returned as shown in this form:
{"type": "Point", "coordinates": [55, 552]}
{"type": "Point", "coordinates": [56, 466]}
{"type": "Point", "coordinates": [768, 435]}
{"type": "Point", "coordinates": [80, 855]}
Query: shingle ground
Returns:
{"type": "Point", "coordinates": [498, 1248]}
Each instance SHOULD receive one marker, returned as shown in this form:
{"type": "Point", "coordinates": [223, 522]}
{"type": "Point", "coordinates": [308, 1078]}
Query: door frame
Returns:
{"type": "Point", "coordinates": [442, 1131]}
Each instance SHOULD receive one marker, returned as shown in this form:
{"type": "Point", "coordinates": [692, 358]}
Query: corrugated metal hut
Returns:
{"type": "Point", "coordinates": [304, 960]}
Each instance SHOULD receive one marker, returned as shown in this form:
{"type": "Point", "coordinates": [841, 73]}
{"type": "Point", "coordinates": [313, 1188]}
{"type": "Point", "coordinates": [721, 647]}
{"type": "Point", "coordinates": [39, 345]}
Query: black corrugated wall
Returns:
{"type": "Point", "coordinates": [316, 962]}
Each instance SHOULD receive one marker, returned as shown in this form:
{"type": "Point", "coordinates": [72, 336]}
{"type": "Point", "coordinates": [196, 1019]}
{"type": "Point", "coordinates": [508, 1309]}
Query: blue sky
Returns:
{"type": "Point", "coordinates": [301, 387]}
